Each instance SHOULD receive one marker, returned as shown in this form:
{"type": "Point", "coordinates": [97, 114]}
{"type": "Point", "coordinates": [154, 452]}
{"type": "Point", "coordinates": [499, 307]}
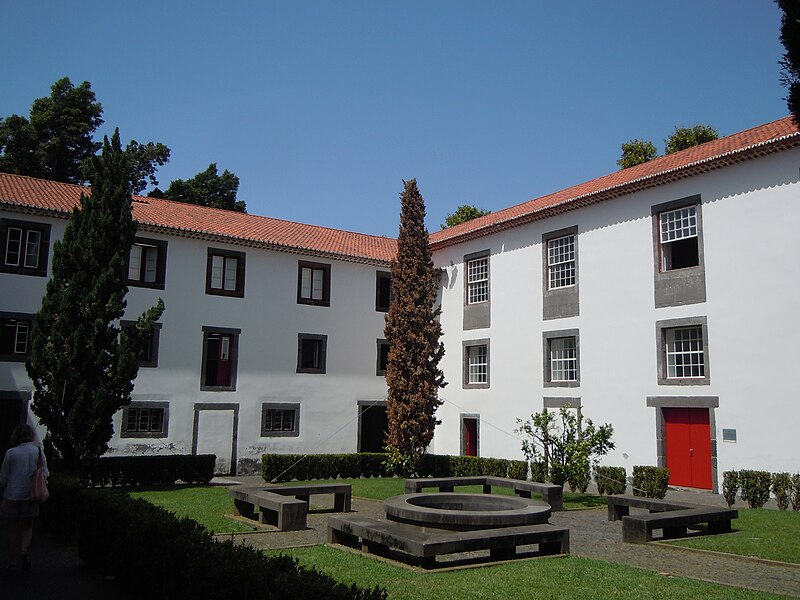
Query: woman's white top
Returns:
{"type": "Point", "coordinates": [16, 474]}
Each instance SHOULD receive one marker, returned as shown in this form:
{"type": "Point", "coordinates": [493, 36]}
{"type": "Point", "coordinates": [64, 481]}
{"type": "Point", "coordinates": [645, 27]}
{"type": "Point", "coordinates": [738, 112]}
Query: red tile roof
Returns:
{"type": "Point", "coordinates": [58, 199]}
{"type": "Point", "coordinates": [738, 147]}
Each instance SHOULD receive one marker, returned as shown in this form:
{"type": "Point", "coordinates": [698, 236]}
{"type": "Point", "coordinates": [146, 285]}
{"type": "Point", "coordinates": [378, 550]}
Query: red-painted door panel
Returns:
{"type": "Point", "coordinates": [688, 442]}
{"type": "Point", "coordinates": [471, 437]}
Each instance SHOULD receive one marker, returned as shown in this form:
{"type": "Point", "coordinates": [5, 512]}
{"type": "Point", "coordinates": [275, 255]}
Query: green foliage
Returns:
{"type": "Point", "coordinates": [567, 449]}
{"type": "Point", "coordinates": [650, 482]}
{"type": "Point", "coordinates": [462, 214]}
{"type": "Point", "coordinates": [413, 376]}
{"type": "Point", "coordinates": [686, 137]}
{"type": "Point", "coordinates": [730, 486]}
{"type": "Point", "coordinates": [117, 536]}
{"type": "Point", "coordinates": [796, 491]}
{"type": "Point", "coordinates": [56, 141]}
{"type": "Point", "coordinates": [755, 486]}
{"type": "Point", "coordinates": [782, 488]}
{"type": "Point", "coordinates": [149, 470]}
{"type": "Point", "coordinates": [81, 365]}
{"type": "Point", "coordinates": [636, 152]}
{"type": "Point", "coordinates": [790, 63]}
{"type": "Point", "coordinates": [610, 480]}
{"type": "Point", "coordinates": [207, 188]}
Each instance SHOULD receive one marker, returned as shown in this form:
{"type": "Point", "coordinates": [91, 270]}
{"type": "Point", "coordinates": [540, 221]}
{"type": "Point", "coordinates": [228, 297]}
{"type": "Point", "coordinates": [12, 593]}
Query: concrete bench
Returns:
{"type": "Point", "coordinates": [422, 547]}
{"type": "Point", "coordinates": [671, 517]}
{"type": "Point", "coordinates": [552, 494]}
{"type": "Point", "coordinates": [287, 506]}
{"type": "Point", "coordinates": [288, 514]}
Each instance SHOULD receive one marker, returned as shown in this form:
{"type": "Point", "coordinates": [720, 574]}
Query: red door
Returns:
{"type": "Point", "coordinates": [471, 437]}
{"type": "Point", "coordinates": [688, 441]}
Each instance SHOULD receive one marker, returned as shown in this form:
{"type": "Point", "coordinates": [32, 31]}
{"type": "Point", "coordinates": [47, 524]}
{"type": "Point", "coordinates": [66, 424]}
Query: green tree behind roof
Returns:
{"type": "Point", "coordinates": [464, 213]}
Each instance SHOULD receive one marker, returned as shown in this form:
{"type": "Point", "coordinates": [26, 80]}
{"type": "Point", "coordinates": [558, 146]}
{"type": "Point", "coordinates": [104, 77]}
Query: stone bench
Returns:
{"type": "Point", "coordinates": [287, 506]}
{"type": "Point", "coordinates": [552, 494]}
{"type": "Point", "coordinates": [671, 517]}
{"type": "Point", "coordinates": [380, 537]}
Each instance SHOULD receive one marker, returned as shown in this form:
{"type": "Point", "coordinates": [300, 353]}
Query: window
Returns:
{"type": "Point", "coordinates": [148, 357]}
{"type": "Point", "coordinates": [478, 280]}
{"type": "Point", "coordinates": [147, 263]}
{"type": "Point", "coordinates": [280, 420]}
{"type": "Point", "coordinates": [678, 253]}
{"type": "Point", "coordinates": [25, 246]}
{"type": "Point", "coordinates": [683, 351]}
{"type": "Point", "coordinates": [145, 420]}
{"type": "Point", "coordinates": [383, 357]}
{"type": "Point", "coordinates": [313, 283]}
{"type": "Point", "coordinates": [220, 357]}
{"type": "Point", "coordinates": [225, 273]}
{"type": "Point", "coordinates": [561, 262]}
{"type": "Point", "coordinates": [383, 291]}
{"type": "Point", "coordinates": [15, 336]}
{"type": "Point", "coordinates": [476, 364]}
{"type": "Point", "coordinates": [561, 358]}
{"type": "Point", "coordinates": [560, 274]}
{"type": "Point", "coordinates": [678, 237]}
{"type": "Point", "coordinates": [311, 353]}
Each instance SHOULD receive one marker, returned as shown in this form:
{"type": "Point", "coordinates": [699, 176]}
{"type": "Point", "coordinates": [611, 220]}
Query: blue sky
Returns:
{"type": "Point", "coordinates": [323, 108]}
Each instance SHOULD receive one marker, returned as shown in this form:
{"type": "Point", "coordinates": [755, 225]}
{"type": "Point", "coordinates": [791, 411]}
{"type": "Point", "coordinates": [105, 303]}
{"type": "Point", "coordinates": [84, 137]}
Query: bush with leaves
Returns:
{"type": "Point", "coordinates": [567, 449]}
{"type": "Point", "coordinates": [650, 482]}
{"type": "Point", "coordinates": [796, 491]}
{"type": "Point", "coordinates": [782, 488]}
{"type": "Point", "coordinates": [755, 487]}
{"type": "Point", "coordinates": [730, 486]}
{"type": "Point", "coordinates": [610, 480]}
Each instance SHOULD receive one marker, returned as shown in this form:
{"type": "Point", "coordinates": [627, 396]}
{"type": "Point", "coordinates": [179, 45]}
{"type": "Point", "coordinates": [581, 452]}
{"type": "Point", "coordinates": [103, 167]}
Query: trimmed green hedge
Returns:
{"type": "Point", "coordinates": [158, 469]}
{"type": "Point", "coordinates": [137, 542]}
{"type": "Point", "coordinates": [610, 480]}
{"type": "Point", "coordinates": [650, 482]}
{"type": "Point", "coordinates": [287, 467]}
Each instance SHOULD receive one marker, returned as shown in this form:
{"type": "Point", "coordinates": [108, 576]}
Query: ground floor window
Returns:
{"type": "Point", "coordinates": [279, 420]}
{"type": "Point", "coordinates": [145, 419]}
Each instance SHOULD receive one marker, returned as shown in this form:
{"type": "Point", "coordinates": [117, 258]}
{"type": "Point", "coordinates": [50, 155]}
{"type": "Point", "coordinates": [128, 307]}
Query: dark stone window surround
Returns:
{"type": "Point", "coordinates": [323, 339]}
{"type": "Point", "coordinates": [678, 287]}
{"type": "Point", "coordinates": [661, 351]}
{"type": "Point", "coordinates": [124, 433]}
{"type": "Point", "coordinates": [465, 345]}
{"type": "Point", "coordinates": [151, 364]}
{"type": "Point", "coordinates": [562, 302]}
{"type": "Point", "coordinates": [20, 317]}
{"type": "Point", "coordinates": [380, 343]}
{"type": "Point", "coordinates": [295, 406]}
{"type": "Point", "coordinates": [44, 247]}
{"type": "Point", "coordinates": [562, 333]}
{"type": "Point", "coordinates": [326, 282]}
{"type": "Point", "coordinates": [708, 402]}
{"type": "Point", "coordinates": [234, 353]}
{"type": "Point", "coordinates": [240, 272]}
{"type": "Point", "coordinates": [478, 315]}
{"type": "Point", "coordinates": [161, 264]}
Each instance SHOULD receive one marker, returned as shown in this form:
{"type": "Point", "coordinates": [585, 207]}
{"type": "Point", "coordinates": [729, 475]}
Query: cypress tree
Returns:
{"type": "Point", "coordinates": [790, 62]}
{"type": "Point", "coordinates": [413, 331]}
{"type": "Point", "coordinates": [82, 365]}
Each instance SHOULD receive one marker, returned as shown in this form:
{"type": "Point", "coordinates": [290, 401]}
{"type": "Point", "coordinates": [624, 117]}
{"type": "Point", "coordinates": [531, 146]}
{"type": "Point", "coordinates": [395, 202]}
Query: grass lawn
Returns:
{"type": "Point", "coordinates": [570, 577]}
{"type": "Point", "coordinates": [770, 534]}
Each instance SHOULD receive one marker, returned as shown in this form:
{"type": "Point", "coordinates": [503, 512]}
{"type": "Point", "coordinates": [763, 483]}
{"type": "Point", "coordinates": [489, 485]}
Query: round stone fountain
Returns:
{"type": "Point", "coordinates": [465, 512]}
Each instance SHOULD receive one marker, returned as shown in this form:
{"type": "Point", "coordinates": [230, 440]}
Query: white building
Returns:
{"type": "Point", "coordinates": [655, 298]}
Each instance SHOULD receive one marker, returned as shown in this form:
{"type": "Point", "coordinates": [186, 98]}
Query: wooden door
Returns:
{"type": "Point", "coordinates": [688, 447]}
{"type": "Point", "coordinates": [470, 437]}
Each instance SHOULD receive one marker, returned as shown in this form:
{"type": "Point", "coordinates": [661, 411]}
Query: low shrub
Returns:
{"type": "Point", "coordinates": [538, 471]}
{"type": "Point", "coordinates": [288, 467]}
{"type": "Point", "coordinates": [611, 480]}
{"type": "Point", "coordinates": [730, 486]}
{"type": "Point", "coordinates": [796, 491]}
{"type": "Point", "coordinates": [124, 538]}
{"type": "Point", "coordinates": [651, 482]}
{"type": "Point", "coordinates": [579, 477]}
{"type": "Point", "coordinates": [755, 486]}
{"type": "Point", "coordinates": [782, 488]}
{"type": "Point", "coordinates": [158, 469]}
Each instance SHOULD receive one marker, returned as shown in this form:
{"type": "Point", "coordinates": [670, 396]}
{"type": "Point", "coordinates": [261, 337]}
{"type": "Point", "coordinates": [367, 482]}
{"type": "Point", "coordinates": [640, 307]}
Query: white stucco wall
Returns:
{"type": "Point", "coordinates": [750, 222]}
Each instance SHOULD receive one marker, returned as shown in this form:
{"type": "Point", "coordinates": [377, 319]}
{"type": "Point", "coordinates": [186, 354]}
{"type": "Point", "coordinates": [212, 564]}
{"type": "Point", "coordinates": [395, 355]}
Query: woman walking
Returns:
{"type": "Point", "coordinates": [16, 483]}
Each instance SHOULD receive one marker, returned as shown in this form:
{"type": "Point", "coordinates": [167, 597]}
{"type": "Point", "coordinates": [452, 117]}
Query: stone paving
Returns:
{"type": "Point", "coordinates": [593, 536]}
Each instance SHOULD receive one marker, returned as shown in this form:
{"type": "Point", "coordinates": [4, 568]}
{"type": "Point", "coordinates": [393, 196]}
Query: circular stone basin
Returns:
{"type": "Point", "coordinates": [465, 512]}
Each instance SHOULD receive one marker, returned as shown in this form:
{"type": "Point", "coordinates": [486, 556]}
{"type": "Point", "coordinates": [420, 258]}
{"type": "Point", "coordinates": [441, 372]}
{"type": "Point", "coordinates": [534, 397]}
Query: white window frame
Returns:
{"type": "Point", "coordinates": [478, 280]}
{"type": "Point", "coordinates": [675, 225]}
{"type": "Point", "coordinates": [561, 262]}
{"type": "Point", "coordinates": [563, 359]}
{"type": "Point", "coordinates": [684, 348]}
{"type": "Point", "coordinates": [477, 365]}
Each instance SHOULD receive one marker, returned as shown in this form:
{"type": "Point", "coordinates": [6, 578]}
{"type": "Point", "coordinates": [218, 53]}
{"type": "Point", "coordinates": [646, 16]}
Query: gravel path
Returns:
{"type": "Point", "coordinates": [593, 536]}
